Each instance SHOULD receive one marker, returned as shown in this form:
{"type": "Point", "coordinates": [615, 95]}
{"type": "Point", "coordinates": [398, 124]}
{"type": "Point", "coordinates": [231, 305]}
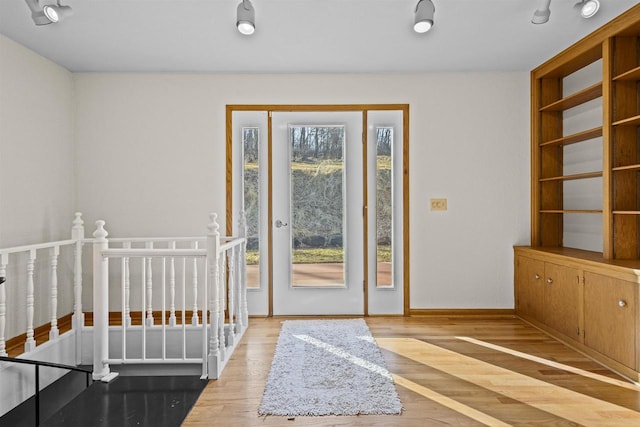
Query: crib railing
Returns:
{"type": "Point", "coordinates": [177, 300]}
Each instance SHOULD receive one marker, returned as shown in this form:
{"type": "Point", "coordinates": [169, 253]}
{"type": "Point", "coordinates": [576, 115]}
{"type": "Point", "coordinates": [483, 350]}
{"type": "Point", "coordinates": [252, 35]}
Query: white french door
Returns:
{"type": "Point", "coordinates": [317, 212]}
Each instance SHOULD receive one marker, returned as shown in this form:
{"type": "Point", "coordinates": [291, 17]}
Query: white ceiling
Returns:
{"type": "Point", "coordinates": [308, 36]}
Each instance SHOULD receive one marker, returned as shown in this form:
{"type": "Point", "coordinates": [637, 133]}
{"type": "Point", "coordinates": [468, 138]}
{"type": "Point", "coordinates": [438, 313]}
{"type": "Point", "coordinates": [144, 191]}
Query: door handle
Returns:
{"type": "Point", "coordinates": [279, 223]}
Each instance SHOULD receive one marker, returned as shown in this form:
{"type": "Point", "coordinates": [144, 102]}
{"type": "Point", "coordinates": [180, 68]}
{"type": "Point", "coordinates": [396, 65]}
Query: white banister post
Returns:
{"type": "Point", "coordinates": [194, 285]}
{"type": "Point", "coordinates": [4, 261]}
{"type": "Point", "coordinates": [54, 253]}
{"type": "Point", "coordinates": [213, 245]}
{"type": "Point", "coordinates": [30, 344]}
{"type": "Point", "coordinates": [222, 300]}
{"type": "Point", "coordinates": [149, 286]}
{"type": "Point", "coordinates": [77, 234]}
{"type": "Point", "coordinates": [127, 287]}
{"type": "Point", "coordinates": [244, 308]}
{"type": "Point", "coordinates": [231, 281]}
{"type": "Point", "coordinates": [100, 303]}
{"type": "Point", "coordinates": [172, 288]}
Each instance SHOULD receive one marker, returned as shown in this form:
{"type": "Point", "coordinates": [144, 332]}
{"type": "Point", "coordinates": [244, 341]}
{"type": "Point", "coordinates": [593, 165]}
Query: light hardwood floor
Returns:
{"type": "Point", "coordinates": [461, 371]}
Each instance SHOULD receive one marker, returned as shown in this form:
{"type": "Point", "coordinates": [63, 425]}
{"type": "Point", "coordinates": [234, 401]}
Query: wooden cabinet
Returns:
{"type": "Point", "coordinates": [546, 292]}
{"type": "Point", "coordinates": [582, 287]}
{"type": "Point", "coordinates": [529, 287]}
{"type": "Point", "coordinates": [561, 294]}
{"type": "Point", "coordinates": [610, 313]}
{"type": "Point", "coordinates": [583, 300]}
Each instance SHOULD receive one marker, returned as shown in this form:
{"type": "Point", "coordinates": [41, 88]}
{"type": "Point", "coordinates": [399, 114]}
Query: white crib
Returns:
{"type": "Point", "coordinates": [157, 305]}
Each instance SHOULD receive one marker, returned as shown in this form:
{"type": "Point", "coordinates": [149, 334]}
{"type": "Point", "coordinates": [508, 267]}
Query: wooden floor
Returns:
{"type": "Point", "coordinates": [448, 371]}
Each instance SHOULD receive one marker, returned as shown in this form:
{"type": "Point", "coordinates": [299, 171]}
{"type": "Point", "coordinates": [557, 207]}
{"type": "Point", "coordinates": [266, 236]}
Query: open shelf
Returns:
{"type": "Point", "coordinates": [633, 74]}
{"type": "Point", "coordinates": [576, 137]}
{"type": "Point", "coordinates": [572, 177]}
{"type": "Point", "coordinates": [631, 121]}
{"type": "Point", "coordinates": [626, 212]}
{"type": "Point", "coordinates": [570, 211]}
{"type": "Point", "coordinates": [585, 95]}
{"type": "Point", "coordinates": [626, 168]}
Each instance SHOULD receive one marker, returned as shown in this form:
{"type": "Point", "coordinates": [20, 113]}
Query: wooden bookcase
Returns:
{"type": "Point", "coordinates": [585, 298]}
{"type": "Point", "coordinates": [617, 47]}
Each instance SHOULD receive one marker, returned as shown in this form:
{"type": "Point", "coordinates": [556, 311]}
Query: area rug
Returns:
{"type": "Point", "coordinates": [328, 367]}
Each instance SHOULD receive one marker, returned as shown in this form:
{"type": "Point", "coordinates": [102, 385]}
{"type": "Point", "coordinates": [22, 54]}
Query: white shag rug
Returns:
{"type": "Point", "coordinates": [328, 367]}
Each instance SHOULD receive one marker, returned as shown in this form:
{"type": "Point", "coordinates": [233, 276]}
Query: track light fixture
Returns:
{"type": "Point", "coordinates": [246, 21]}
{"type": "Point", "coordinates": [588, 8]}
{"type": "Point", "coordinates": [424, 16]}
{"type": "Point", "coordinates": [50, 12]}
{"type": "Point", "coordinates": [542, 13]}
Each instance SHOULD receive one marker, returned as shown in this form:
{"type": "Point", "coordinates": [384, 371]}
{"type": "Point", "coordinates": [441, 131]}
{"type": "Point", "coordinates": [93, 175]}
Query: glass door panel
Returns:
{"type": "Point", "coordinates": [317, 205]}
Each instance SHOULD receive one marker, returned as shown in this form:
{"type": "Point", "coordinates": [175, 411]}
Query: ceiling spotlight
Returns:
{"type": "Point", "coordinates": [246, 21]}
{"type": "Point", "coordinates": [55, 13]}
{"type": "Point", "coordinates": [424, 16]}
{"type": "Point", "coordinates": [51, 12]}
{"type": "Point", "coordinates": [542, 13]}
{"type": "Point", "coordinates": [588, 8]}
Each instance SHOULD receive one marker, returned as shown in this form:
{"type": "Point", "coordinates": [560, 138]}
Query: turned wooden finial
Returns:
{"type": "Point", "coordinates": [214, 227]}
{"type": "Point", "coordinates": [77, 221]}
{"type": "Point", "coordinates": [77, 231]}
{"type": "Point", "coordinates": [100, 233]}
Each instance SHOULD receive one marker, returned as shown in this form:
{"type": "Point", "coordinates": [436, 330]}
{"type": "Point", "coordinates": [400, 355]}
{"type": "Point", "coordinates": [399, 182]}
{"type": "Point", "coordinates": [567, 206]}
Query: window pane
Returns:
{"type": "Point", "coordinates": [384, 206]}
{"type": "Point", "coordinates": [251, 173]}
{"type": "Point", "coordinates": [317, 179]}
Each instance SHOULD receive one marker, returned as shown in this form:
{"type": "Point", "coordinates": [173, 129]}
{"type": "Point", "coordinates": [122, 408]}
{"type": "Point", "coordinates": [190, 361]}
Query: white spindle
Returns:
{"type": "Point", "coordinates": [124, 297]}
{"type": "Point", "coordinates": [126, 276]}
{"type": "Point", "coordinates": [100, 303]}
{"type": "Point", "coordinates": [222, 300]}
{"type": "Point", "coordinates": [4, 261]}
{"type": "Point", "coordinates": [194, 283]}
{"type": "Point", "coordinates": [30, 344]}
{"type": "Point", "coordinates": [242, 232]}
{"type": "Point", "coordinates": [149, 245]}
{"type": "Point", "coordinates": [143, 324]}
{"type": "Point", "coordinates": [184, 307]}
{"type": "Point", "coordinates": [232, 303]}
{"type": "Point", "coordinates": [213, 243]}
{"type": "Point", "coordinates": [54, 253]}
{"type": "Point", "coordinates": [164, 308]}
{"type": "Point", "coordinates": [172, 287]}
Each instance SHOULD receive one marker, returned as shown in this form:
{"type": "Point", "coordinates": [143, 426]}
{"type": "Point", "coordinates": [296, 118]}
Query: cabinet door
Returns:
{"type": "Point", "coordinates": [609, 317]}
{"type": "Point", "coordinates": [561, 299]}
{"type": "Point", "coordinates": [529, 278]}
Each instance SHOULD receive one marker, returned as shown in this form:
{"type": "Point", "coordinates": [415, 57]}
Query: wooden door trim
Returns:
{"type": "Point", "coordinates": [364, 108]}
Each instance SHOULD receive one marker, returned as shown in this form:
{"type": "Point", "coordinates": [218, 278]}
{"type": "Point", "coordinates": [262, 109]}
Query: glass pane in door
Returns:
{"type": "Point", "coordinates": [251, 174]}
{"type": "Point", "coordinates": [384, 206]}
{"type": "Point", "coordinates": [317, 205]}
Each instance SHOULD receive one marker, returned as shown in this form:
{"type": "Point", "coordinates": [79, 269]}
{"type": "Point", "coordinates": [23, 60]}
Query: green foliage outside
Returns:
{"type": "Point", "coordinates": [320, 255]}
{"type": "Point", "coordinates": [317, 199]}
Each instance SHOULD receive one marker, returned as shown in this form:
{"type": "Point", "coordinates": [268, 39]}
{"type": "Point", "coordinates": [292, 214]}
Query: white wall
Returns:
{"type": "Point", "coordinates": [151, 160]}
{"type": "Point", "coordinates": [36, 147]}
{"type": "Point", "coordinates": [36, 173]}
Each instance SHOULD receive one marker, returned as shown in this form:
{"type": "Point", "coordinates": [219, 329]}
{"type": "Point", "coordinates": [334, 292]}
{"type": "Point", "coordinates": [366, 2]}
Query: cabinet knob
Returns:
{"type": "Point", "coordinates": [537, 276]}
{"type": "Point", "coordinates": [549, 280]}
{"type": "Point", "coordinates": [622, 303]}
